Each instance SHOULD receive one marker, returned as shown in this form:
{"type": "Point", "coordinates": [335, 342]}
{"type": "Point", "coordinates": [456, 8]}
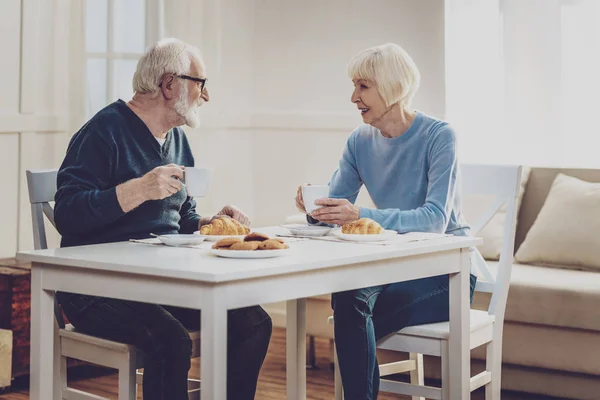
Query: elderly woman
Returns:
{"type": "Point", "coordinates": [120, 179]}
{"type": "Point", "coordinates": [407, 161]}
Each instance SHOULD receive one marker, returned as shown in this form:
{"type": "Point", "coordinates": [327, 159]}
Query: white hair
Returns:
{"type": "Point", "coordinates": [391, 69]}
{"type": "Point", "coordinates": [167, 56]}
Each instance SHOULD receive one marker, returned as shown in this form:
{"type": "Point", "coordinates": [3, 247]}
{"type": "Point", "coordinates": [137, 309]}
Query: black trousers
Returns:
{"type": "Point", "coordinates": [160, 332]}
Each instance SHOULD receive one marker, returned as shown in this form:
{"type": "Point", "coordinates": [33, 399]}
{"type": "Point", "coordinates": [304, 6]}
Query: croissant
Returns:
{"type": "Point", "coordinates": [363, 226]}
{"type": "Point", "coordinates": [224, 226]}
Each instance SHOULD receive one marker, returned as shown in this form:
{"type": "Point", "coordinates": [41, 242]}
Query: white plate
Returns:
{"type": "Point", "coordinates": [385, 235]}
{"type": "Point", "coordinates": [216, 238]}
{"type": "Point", "coordinates": [307, 230]}
{"type": "Point", "coordinates": [249, 253]}
{"type": "Point", "coordinates": [180, 240]}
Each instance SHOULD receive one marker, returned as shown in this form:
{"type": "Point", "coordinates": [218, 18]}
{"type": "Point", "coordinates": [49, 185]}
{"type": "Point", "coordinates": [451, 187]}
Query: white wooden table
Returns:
{"type": "Point", "coordinates": [196, 279]}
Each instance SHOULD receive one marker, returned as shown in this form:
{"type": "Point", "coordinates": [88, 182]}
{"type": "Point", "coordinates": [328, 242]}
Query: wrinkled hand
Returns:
{"type": "Point", "coordinates": [336, 211]}
{"type": "Point", "coordinates": [161, 182]}
{"type": "Point", "coordinates": [299, 199]}
{"type": "Point", "coordinates": [235, 213]}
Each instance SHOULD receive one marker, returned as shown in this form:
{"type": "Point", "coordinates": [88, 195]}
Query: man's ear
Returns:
{"type": "Point", "coordinates": [167, 86]}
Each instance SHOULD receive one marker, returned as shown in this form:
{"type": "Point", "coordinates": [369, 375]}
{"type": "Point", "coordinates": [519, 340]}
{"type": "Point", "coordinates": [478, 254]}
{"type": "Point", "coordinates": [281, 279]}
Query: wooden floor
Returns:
{"type": "Point", "coordinates": [271, 384]}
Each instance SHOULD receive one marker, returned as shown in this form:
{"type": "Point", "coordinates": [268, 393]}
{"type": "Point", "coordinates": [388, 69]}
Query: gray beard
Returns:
{"type": "Point", "coordinates": [186, 111]}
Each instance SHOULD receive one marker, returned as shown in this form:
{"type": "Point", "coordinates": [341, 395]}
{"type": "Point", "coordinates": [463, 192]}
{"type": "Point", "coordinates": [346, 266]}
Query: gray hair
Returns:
{"type": "Point", "coordinates": [167, 56]}
{"type": "Point", "coordinates": [391, 68]}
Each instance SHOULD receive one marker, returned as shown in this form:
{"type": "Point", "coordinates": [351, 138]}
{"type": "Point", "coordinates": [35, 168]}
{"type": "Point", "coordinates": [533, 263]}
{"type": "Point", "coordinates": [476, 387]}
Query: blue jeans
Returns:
{"type": "Point", "coordinates": [365, 316]}
{"type": "Point", "coordinates": [160, 332]}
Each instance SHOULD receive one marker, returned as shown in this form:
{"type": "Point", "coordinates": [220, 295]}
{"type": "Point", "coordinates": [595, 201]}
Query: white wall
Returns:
{"type": "Point", "coordinates": [33, 106]}
{"type": "Point", "coordinates": [475, 88]}
{"type": "Point", "coordinates": [523, 89]}
{"type": "Point", "coordinates": [280, 110]}
{"type": "Point", "coordinates": [9, 139]}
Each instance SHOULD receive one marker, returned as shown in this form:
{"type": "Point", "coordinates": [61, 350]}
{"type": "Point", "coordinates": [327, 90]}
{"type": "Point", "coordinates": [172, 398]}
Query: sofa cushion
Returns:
{"type": "Point", "coordinates": [473, 206]}
{"type": "Point", "coordinates": [565, 232]}
{"type": "Point", "coordinates": [548, 347]}
{"type": "Point", "coordinates": [550, 296]}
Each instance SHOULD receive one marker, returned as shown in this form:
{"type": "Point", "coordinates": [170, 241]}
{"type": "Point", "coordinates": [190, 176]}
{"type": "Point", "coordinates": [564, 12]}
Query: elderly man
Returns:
{"type": "Point", "coordinates": [120, 180]}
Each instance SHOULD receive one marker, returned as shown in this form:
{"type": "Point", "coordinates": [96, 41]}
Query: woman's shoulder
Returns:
{"type": "Point", "coordinates": [363, 131]}
{"type": "Point", "coordinates": [436, 128]}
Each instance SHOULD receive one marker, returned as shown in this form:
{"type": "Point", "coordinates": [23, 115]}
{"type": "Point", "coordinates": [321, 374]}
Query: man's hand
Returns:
{"type": "Point", "coordinates": [161, 182]}
{"type": "Point", "coordinates": [230, 211]}
{"type": "Point", "coordinates": [235, 213]}
{"type": "Point", "coordinates": [336, 211]}
{"type": "Point", "coordinates": [299, 199]}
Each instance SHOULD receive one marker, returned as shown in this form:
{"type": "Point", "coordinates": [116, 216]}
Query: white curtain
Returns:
{"type": "Point", "coordinates": [523, 78]}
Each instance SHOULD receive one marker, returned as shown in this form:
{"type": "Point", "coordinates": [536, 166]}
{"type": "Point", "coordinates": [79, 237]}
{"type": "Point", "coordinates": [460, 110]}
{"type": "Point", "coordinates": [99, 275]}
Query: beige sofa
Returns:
{"type": "Point", "coordinates": [552, 326]}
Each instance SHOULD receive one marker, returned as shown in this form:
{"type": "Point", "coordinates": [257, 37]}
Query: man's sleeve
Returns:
{"type": "Point", "coordinates": [86, 198]}
{"type": "Point", "coordinates": [189, 219]}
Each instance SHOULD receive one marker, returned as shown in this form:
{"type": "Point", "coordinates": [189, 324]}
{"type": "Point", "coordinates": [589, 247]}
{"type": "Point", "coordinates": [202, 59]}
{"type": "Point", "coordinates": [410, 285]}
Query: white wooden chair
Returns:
{"type": "Point", "coordinates": [72, 344]}
{"type": "Point", "coordinates": [503, 183]}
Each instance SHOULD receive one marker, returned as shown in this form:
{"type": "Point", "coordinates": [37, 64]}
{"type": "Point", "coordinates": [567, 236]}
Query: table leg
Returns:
{"type": "Point", "coordinates": [213, 348]}
{"type": "Point", "coordinates": [459, 355]}
{"type": "Point", "coordinates": [296, 349]}
{"type": "Point", "coordinates": [60, 365]}
{"type": "Point", "coordinates": [42, 338]}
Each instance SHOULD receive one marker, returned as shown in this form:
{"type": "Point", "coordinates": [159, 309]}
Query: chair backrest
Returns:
{"type": "Point", "coordinates": [502, 182]}
{"type": "Point", "coordinates": [42, 188]}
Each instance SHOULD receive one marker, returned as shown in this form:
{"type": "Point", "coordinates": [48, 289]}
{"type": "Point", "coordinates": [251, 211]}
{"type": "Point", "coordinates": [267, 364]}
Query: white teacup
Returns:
{"type": "Point", "coordinates": [197, 181]}
{"type": "Point", "coordinates": [312, 193]}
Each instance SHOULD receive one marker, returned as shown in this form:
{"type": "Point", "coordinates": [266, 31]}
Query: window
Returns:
{"type": "Point", "coordinates": [115, 40]}
{"type": "Point", "coordinates": [524, 88]}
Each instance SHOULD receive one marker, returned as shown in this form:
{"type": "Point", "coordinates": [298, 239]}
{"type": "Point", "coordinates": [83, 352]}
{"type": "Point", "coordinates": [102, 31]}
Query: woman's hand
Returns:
{"type": "Point", "coordinates": [336, 211]}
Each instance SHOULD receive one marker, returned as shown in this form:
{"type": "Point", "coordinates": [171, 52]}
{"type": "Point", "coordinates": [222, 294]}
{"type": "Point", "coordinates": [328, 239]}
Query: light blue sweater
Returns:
{"type": "Point", "coordinates": [412, 179]}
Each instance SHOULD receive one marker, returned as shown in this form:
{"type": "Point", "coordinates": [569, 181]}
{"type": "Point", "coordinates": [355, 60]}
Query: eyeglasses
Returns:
{"type": "Point", "coordinates": [202, 81]}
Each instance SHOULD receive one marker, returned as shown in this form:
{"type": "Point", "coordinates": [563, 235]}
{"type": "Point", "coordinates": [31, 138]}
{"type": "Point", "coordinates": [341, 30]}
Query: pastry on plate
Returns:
{"type": "Point", "coordinates": [256, 237]}
{"type": "Point", "coordinates": [252, 241]}
{"type": "Point", "coordinates": [272, 244]}
{"type": "Point", "coordinates": [244, 246]}
{"type": "Point", "coordinates": [226, 243]}
{"type": "Point", "coordinates": [363, 226]}
{"type": "Point", "coordinates": [223, 226]}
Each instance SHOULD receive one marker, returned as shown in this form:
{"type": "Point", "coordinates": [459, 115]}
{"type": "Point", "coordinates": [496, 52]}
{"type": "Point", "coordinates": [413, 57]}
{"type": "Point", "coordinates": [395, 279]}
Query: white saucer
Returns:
{"type": "Point", "coordinates": [180, 240]}
{"type": "Point", "coordinates": [249, 253]}
{"type": "Point", "coordinates": [307, 230]}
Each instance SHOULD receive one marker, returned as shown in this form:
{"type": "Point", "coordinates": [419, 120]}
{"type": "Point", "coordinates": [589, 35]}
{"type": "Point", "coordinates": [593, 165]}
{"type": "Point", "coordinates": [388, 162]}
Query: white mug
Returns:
{"type": "Point", "coordinates": [197, 181]}
{"type": "Point", "coordinates": [310, 193]}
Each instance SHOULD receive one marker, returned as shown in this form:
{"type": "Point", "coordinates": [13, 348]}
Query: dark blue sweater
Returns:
{"type": "Point", "coordinates": [114, 147]}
